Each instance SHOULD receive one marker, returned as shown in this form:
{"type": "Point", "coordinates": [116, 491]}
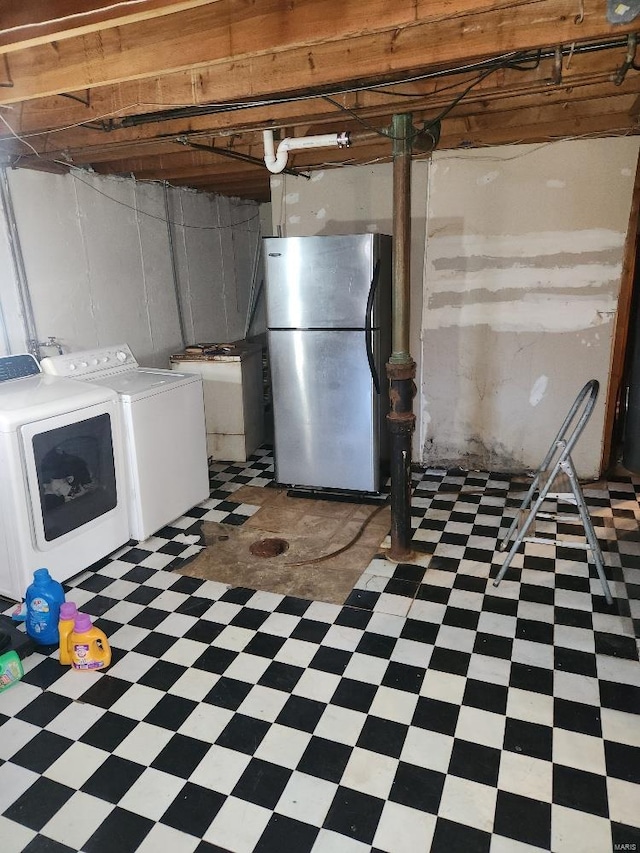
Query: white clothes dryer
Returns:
{"type": "Point", "coordinates": [165, 435]}
{"type": "Point", "coordinates": [62, 495]}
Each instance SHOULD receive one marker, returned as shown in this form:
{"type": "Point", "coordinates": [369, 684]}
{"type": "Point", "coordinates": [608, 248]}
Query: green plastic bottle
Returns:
{"type": "Point", "coordinates": [11, 670]}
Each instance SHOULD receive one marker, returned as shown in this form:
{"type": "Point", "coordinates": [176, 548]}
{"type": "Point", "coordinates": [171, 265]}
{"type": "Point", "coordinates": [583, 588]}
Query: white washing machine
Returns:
{"type": "Point", "coordinates": [62, 493]}
{"type": "Point", "coordinates": [164, 426]}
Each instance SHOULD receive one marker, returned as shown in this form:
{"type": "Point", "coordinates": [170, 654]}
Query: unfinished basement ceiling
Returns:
{"type": "Point", "coordinates": [181, 90]}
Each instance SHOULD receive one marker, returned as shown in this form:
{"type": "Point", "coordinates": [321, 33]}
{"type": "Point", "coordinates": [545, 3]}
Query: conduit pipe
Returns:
{"type": "Point", "coordinates": [174, 266]}
{"type": "Point", "coordinates": [276, 161]}
{"type": "Point", "coordinates": [20, 273]}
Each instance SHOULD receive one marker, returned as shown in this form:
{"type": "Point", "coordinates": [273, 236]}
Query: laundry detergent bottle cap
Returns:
{"type": "Point", "coordinates": [43, 599]}
{"type": "Point", "coordinates": [88, 646]}
{"type": "Point", "coordinates": [68, 612]}
{"type": "Point", "coordinates": [82, 623]}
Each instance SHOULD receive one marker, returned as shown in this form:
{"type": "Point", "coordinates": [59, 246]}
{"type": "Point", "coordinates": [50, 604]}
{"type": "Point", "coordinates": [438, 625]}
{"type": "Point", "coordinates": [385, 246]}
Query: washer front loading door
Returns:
{"type": "Point", "coordinates": [71, 470]}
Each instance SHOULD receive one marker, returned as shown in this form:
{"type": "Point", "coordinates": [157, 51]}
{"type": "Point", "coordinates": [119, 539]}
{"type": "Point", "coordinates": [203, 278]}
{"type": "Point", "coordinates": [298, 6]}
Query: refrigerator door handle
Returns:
{"type": "Point", "coordinates": [369, 326]}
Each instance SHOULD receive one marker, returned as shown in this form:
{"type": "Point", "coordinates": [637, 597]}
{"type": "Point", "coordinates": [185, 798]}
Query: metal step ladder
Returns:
{"type": "Point", "coordinates": [556, 478]}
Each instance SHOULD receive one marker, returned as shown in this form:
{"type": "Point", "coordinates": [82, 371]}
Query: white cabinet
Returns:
{"type": "Point", "coordinates": [233, 398]}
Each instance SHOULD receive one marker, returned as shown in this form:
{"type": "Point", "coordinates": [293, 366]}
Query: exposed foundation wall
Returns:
{"type": "Point", "coordinates": [513, 296]}
{"type": "Point", "coordinates": [356, 200]}
{"type": "Point", "coordinates": [98, 260]}
{"type": "Point", "coordinates": [523, 262]}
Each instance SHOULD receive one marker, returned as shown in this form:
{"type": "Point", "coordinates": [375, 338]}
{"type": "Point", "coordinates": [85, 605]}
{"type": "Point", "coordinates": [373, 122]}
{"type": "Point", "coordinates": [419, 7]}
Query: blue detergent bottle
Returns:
{"type": "Point", "coordinates": [43, 599]}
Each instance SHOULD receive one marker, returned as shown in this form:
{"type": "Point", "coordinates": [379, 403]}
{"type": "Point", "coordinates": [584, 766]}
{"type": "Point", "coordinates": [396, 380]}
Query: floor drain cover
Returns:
{"type": "Point", "coordinates": [268, 547]}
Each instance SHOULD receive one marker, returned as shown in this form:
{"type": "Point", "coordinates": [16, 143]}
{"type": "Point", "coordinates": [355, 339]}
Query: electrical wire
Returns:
{"type": "Point", "coordinates": [489, 68]}
{"type": "Point", "coordinates": [227, 106]}
{"type": "Point", "coordinates": [223, 105]}
{"type": "Point", "coordinates": [268, 102]}
{"type": "Point", "coordinates": [424, 155]}
{"type": "Point", "coordinates": [509, 60]}
{"type": "Point", "coordinates": [74, 174]}
{"type": "Point", "coordinates": [344, 548]}
{"type": "Point", "coordinates": [90, 124]}
{"type": "Point", "coordinates": [460, 490]}
{"type": "Point", "coordinates": [413, 95]}
{"type": "Point", "coordinates": [74, 16]}
{"type": "Point", "coordinates": [13, 133]}
{"type": "Point", "coordinates": [445, 112]}
{"type": "Point", "coordinates": [533, 148]}
{"type": "Point", "coordinates": [382, 90]}
{"type": "Point", "coordinates": [355, 115]}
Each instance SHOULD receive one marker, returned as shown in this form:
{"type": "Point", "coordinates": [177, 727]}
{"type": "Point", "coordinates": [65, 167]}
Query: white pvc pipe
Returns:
{"type": "Point", "coordinates": [276, 161]}
{"type": "Point", "coordinates": [270, 154]}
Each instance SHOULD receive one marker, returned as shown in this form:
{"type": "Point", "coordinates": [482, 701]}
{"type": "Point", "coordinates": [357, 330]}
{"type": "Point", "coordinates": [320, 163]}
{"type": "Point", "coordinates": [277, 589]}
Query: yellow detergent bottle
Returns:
{"type": "Point", "coordinates": [68, 613]}
{"type": "Point", "coordinates": [88, 646]}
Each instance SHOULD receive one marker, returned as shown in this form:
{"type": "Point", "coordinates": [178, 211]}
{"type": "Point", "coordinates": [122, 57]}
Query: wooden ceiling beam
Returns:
{"type": "Point", "coordinates": [43, 114]}
{"type": "Point", "coordinates": [56, 111]}
{"type": "Point", "coordinates": [236, 50]}
{"type": "Point", "coordinates": [175, 158]}
{"type": "Point", "coordinates": [92, 147]}
{"type": "Point", "coordinates": [574, 120]}
{"type": "Point", "coordinates": [537, 115]}
{"type": "Point", "coordinates": [246, 55]}
{"type": "Point", "coordinates": [227, 31]}
{"type": "Point", "coordinates": [571, 128]}
{"type": "Point", "coordinates": [35, 22]}
{"type": "Point", "coordinates": [536, 123]}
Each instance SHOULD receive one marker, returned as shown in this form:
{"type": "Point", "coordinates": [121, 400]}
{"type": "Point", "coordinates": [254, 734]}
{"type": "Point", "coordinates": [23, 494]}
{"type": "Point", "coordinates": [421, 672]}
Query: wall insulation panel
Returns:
{"type": "Point", "coordinates": [98, 261]}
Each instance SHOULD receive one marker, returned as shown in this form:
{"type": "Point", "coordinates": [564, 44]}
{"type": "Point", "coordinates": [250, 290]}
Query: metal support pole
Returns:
{"type": "Point", "coordinates": [401, 368]}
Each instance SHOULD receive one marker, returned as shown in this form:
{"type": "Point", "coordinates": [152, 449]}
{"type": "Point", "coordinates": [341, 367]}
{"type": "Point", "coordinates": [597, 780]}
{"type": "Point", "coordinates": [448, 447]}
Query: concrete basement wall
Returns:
{"type": "Point", "coordinates": [513, 296]}
{"type": "Point", "coordinates": [523, 262]}
{"type": "Point", "coordinates": [98, 262]}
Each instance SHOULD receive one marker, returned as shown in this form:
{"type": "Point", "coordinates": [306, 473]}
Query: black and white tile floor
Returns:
{"type": "Point", "coordinates": [431, 712]}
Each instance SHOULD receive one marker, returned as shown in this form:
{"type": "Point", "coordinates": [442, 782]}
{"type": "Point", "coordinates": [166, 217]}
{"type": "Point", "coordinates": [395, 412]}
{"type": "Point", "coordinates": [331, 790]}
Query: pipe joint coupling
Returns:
{"type": "Point", "coordinates": [401, 423]}
{"type": "Point", "coordinates": [398, 372]}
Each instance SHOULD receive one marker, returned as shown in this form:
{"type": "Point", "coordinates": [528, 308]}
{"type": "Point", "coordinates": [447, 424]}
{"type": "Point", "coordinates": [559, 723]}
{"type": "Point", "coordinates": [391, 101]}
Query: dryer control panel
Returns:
{"type": "Point", "coordinates": [91, 364]}
{"type": "Point", "coordinates": [18, 366]}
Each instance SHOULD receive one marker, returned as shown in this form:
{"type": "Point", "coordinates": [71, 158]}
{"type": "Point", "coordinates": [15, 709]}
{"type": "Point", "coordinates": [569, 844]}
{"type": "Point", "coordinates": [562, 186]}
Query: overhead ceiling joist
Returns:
{"type": "Point", "coordinates": [232, 49]}
{"type": "Point", "coordinates": [114, 103]}
{"type": "Point", "coordinates": [34, 22]}
{"type": "Point", "coordinates": [584, 77]}
{"type": "Point", "coordinates": [119, 74]}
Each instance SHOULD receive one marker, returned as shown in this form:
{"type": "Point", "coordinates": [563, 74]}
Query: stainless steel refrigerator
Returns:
{"type": "Point", "coordinates": [329, 337]}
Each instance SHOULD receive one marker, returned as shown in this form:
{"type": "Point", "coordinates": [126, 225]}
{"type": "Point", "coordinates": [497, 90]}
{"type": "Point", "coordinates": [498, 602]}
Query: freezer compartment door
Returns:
{"type": "Point", "coordinates": [326, 424]}
{"type": "Point", "coordinates": [326, 282]}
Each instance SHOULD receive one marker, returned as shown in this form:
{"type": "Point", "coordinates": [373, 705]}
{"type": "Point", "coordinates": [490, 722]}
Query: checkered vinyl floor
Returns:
{"type": "Point", "coordinates": [431, 712]}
